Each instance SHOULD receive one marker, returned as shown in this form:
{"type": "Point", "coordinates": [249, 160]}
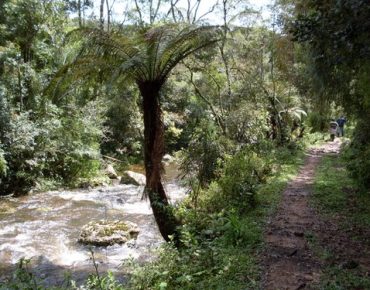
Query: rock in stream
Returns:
{"type": "Point", "coordinates": [107, 233]}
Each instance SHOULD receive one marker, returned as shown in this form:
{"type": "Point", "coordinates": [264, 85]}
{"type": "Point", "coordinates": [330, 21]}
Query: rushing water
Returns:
{"type": "Point", "coordinates": [45, 227]}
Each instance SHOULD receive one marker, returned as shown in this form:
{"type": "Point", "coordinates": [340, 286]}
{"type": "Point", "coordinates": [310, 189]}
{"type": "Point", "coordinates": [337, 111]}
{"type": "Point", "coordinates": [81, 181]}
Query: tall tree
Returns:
{"type": "Point", "coordinates": [148, 58]}
{"type": "Point", "coordinates": [101, 17]}
{"type": "Point", "coordinates": [79, 7]}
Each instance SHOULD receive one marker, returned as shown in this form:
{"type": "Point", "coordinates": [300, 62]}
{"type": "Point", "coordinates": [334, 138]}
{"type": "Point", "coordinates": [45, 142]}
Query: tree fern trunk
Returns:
{"type": "Point", "coordinates": [153, 153]}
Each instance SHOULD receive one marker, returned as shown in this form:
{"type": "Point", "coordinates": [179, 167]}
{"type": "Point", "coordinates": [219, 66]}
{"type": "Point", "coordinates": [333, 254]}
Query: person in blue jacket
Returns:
{"type": "Point", "coordinates": [341, 121]}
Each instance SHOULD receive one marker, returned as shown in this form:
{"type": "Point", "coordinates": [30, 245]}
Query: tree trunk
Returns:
{"type": "Point", "coordinates": [153, 153]}
{"type": "Point", "coordinates": [79, 13]}
{"type": "Point", "coordinates": [108, 14]}
{"type": "Point", "coordinates": [101, 17]}
{"type": "Point", "coordinates": [273, 123]}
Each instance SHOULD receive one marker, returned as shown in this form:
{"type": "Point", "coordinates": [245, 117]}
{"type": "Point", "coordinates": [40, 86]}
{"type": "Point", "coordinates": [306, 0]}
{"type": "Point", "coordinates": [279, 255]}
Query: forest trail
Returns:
{"type": "Point", "coordinates": [288, 261]}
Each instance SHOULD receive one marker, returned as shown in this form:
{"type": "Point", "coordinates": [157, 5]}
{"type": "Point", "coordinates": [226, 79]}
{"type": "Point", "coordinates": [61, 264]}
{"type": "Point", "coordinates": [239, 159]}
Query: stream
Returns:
{"type": "Point", "coordinates": [44, 227]}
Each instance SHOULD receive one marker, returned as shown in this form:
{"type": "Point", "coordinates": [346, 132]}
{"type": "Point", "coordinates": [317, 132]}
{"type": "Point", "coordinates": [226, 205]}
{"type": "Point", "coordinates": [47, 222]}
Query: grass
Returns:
{"type": "Point", "coordinates": [336, 194]}
{"type": "Point", "coordinates": [337, 278]}
{"type": "Point", "coordinates": [337, 197]}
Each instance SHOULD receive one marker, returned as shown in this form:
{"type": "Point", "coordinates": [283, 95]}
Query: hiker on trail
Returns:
{"type": "Point", "coordinates": [341, 121]}
{"type": "Point", "coordinates": [333, 127]}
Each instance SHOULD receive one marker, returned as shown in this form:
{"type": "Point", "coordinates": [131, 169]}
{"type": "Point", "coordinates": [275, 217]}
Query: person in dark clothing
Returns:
{"type": "Point", "coordinates": [341, 121]}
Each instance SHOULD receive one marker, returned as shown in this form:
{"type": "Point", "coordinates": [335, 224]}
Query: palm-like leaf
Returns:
{"type": "Point", "coordinates": [295, 112]}
{"type": "Point", "coordinates": [147, 57]}
{"type": "Point", "coordinates": [151, 54]}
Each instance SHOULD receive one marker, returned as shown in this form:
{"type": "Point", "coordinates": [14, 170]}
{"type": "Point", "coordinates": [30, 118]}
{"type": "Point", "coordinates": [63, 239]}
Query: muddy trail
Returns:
{"type": "Point", "coordinates": [288, 261]}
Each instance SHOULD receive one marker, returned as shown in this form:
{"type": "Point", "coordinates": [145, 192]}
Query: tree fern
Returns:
{"type": "Point", "coordinates": [146, 56]}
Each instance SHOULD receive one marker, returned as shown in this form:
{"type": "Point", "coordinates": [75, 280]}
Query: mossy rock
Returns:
{"type": "Point", "coordinates": [106, 233]}
{"type": "Point", "coordinates": [130, 177]}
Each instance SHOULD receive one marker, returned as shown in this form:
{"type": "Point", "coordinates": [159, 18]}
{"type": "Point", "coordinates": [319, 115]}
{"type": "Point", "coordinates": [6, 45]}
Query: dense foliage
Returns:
{"type": "Point", "coordinates": [44, 143]}
{"type": "Point", "coordinates": [80, 89]}
{"type": "Point", "coordinates": [218, 102]}
{"type": "Point", "coordinates": [336, 34]}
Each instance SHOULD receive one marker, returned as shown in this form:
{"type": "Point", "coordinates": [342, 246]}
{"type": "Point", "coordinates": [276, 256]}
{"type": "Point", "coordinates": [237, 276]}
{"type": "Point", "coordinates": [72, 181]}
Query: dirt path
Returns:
{"type": "Point", "coordinates": [288, 262]}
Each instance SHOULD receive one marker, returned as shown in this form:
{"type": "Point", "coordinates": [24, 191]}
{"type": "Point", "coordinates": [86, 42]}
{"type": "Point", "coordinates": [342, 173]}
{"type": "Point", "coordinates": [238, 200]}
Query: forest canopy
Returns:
{"type": "Point", "coordinates": [75, 73]}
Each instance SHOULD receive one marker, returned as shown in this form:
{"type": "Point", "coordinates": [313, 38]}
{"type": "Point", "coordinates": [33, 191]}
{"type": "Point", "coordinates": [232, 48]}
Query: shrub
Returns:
{"type": "Point", "coordinates": [206, 151]}
{"type": "Point", "coordinates": [60, 145]}
{"type": "Point", "coordinates": [3, 164]}
{"type": "Point", "coordinates": [238, 230]}
{"type": "Point", "coordinates": [317, 121]}
{"type": "Point", "coordinates": [242, 176]}
{"type": "Point", "coordinates": [358, 154]}
{"type": "Point", "coordinates": [19, 147]}
{"type": "Point", "coordinates": [22, 278]}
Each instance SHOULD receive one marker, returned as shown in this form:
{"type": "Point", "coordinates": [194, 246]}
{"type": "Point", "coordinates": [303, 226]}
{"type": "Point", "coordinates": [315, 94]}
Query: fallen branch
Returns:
{"type": "Point", "coordinates": [113, 159]}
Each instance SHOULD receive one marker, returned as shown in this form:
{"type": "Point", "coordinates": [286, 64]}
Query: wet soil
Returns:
{"type": "Point", "coordinates": [288, 261]}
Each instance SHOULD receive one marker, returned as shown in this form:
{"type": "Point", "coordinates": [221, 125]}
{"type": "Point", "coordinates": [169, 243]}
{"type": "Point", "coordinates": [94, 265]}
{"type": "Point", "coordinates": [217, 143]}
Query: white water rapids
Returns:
{"type": "Point", "coordinates": [45, 227]}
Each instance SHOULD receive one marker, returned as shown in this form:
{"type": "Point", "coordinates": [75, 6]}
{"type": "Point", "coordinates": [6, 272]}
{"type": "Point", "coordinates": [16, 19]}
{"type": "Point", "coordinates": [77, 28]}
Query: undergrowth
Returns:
{"type": "Point", "coordinates": [221, 240]}
{"type": "Point", "coordinates": [338, 197]}
{"type": "Point", "coordinates": [337, 194]}
{"type": "Point", "coordinates": [222, 246]}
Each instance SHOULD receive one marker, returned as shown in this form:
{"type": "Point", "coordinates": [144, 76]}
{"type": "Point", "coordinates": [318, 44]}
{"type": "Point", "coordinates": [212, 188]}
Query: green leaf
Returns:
{"type": "Point", "coordinates": [163, 285]}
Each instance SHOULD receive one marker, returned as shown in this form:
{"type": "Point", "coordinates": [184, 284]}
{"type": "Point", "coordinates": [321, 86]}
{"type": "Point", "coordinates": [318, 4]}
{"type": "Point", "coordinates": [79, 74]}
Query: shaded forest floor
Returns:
{"type": "Point", "coordinates": [319, 237]}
